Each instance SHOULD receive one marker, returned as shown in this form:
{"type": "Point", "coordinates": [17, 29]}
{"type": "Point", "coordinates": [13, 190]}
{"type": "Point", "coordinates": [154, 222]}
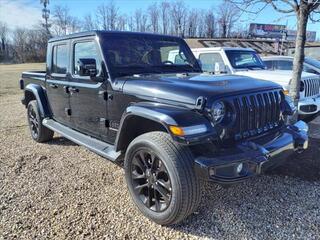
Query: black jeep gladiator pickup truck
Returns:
{"type": "Point", "coordinates": [168, 124]}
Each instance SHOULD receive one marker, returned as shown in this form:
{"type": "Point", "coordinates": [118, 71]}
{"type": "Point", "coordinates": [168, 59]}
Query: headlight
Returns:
{"type": "Point", "coordinates": [288, 107]}
{"type": "Point", "coordinates": [218, 112]}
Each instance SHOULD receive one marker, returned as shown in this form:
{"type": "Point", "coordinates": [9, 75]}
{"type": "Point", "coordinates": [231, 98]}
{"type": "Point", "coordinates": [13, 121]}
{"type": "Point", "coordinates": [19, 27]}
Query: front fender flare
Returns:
{"type": "Point", "coordinates": [166, 115]}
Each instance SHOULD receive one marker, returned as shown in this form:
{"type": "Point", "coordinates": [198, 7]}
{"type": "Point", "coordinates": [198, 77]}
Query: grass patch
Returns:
{"type": "Point", "coordinates": [10, 75]}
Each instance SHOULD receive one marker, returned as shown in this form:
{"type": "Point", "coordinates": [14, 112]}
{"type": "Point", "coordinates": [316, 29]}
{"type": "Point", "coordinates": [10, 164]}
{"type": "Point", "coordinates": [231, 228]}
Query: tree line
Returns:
{"type": "Point", "coordinates": [166, 17]}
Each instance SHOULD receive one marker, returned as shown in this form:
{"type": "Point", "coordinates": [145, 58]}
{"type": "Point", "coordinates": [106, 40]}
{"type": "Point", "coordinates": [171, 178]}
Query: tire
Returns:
{"type": "Point", "coordinates": [180, 183]}
{"type": "Point", "coordinates": [39, 133]}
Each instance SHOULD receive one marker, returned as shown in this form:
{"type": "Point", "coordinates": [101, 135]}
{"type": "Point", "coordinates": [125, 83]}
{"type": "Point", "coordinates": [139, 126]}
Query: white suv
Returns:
{"type": "Point", "coordinates": [245, 61]}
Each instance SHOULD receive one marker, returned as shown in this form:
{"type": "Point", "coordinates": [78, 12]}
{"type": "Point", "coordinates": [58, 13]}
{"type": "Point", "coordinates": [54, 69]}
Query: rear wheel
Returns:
{"type": "Point", "coordinates": [38, 132]}
{"type": "Point", "coordinates": [161, 178]}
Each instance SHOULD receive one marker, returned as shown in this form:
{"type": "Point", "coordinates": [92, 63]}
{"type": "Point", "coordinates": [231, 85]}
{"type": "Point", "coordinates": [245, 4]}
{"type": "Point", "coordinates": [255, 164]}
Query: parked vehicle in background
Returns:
{"type": "Point", "coordinates": [118, 94]}
{"type": "Point", "coordinates": [310, 65]}
{"type": "Point", "coordinates": [246, 62]}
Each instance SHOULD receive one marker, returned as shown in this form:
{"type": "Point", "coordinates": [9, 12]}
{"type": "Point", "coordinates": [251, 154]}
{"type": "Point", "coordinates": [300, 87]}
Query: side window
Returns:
{"type": "Point", "coordinates": [208, 61]}
{"type": "Point", "coordinates": [269, 64]}
{"type": "Point", "coordinates": [60, 59]}
{"type": "Point", "coordinates": [284, 65]}
{"type": "Point", "coordinates": [85, 50]}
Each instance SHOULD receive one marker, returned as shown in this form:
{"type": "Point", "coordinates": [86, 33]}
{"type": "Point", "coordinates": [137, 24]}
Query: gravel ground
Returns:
{"type": "Point", "coordinates": [62, 191]}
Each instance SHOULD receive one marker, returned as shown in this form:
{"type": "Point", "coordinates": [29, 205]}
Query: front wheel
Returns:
{"type": "Point", "coordinates": [161, 178]}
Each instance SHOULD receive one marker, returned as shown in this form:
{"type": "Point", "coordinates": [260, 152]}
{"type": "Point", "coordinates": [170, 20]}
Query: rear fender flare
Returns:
{"type": "Point", "coordinates": [40, 96]}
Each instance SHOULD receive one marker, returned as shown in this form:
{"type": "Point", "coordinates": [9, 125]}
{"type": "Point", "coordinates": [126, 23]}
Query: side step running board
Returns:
{"type": "Point", "coordinates": [103, 149]}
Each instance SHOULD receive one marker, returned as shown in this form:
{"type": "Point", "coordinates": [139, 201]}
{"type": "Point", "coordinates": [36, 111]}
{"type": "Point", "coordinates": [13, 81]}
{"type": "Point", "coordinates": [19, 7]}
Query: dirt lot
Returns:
{"type": "Point", "coordinates": [62, 191]}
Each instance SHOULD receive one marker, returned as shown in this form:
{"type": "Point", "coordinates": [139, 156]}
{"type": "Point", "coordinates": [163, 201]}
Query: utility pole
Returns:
{"type": "Point", "coordinates": [45, 15]}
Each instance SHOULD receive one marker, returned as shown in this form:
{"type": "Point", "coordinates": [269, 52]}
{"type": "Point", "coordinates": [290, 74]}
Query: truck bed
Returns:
{"type": "Point", "coordinates": [37, 77]}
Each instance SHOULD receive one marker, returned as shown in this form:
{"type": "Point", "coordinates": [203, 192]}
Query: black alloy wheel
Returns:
{"type": "Point", "coordinates": [161, 179]}
{"type": "Point", "coordinates": [34, 123]}
{"type": "Point", "coordinates": [38, 131]}
{"type": "Point", "coordinates": [151, 181]}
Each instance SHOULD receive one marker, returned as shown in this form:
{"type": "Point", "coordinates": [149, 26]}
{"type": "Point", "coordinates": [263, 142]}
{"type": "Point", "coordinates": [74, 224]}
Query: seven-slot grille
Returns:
{"type": "Point", "coordinates": [256, 113]}
{"type": "Point", "coordinates": [311, 87]}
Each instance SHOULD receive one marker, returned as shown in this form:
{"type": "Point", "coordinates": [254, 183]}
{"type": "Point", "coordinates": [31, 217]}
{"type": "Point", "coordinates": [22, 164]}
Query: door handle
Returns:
{"type": "Point", "coordinates": [52, 85]}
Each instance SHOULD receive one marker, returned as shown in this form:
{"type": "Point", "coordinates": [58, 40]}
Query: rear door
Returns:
{"type": "Point", "coordinates": [87, 98]}
{"type": "Point", "coordinates": [56, 81]}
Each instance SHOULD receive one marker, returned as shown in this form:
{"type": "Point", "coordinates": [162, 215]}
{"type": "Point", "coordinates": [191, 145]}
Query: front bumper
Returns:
{"type": "Point", "coordinates": [251, 158]}
{"type": "Point", "coordinates": [309, 106]}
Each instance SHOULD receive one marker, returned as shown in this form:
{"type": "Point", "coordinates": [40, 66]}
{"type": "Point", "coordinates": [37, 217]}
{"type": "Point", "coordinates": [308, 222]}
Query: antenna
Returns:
{"type": "Point", "coordinates": [45, 14]}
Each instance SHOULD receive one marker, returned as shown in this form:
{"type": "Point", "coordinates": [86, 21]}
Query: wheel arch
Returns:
{"type": "Point", "coordinates": [36, 92]}
{"type": "Point", "coordinates": [141, 125]}
{"type": "Point", "coordinates": [144, 117]}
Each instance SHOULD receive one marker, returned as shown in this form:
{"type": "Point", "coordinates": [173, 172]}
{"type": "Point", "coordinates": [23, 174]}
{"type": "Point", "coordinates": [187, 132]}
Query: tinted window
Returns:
{"type": "Point", "coordinates": [60, 59]}
{"type": "Point", "coordinates": [244, 59]}
{"type": "Point", "coordinates": [284, 65]}
{"type": "Point", "coordinates": [85, 50]}
{"type": "Point", "coordinates": [313, 62]}
{"type": "Point", "coordinates": [209, 61]}
{"type": "Point", "coordinates": [268, 64]}
{"type": "Point", "coordinates": [129, 54]}
{"type": "Point", "coordinates": [309, 69]}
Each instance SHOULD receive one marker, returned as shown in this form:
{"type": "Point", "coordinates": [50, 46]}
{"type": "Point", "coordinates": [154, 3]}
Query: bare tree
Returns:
{"type": "Point", "coordinates": [228, 15]}
{"type": "Point", "coordinates": [74, 25]}
{"type": "Point", "coordinates": [107, 16]}
{"type": "Point", "coordinates": [122, 22]}
{"type": "Point", "coordinates": [88, 23]}
{"type": "Point", "coordinates": [101, 15]}
{"type": "Point", "coordinates": [179, 17]}
{"type": "Point", "coordinates": [131, 23]}
{"type": "Point", "coordinates": [29, 45]}
{"type": "Point", "coordinates": [141, 21]}
{"type": "Point", "coordinates": [193, 22]}
{"type": "Point", "coordinates": [62, 20]}
{"type": "Point", "coordinates": [164, 16]}
{"type": "Point", "coordinates": [210, 24]}
{"type": "Point", "coordinates": [153, 12]}
{"type": "Point", "coordinates": [303, 10]}
{"type": "Point", "coordinates": [201, 29]}
{"type": "Point", "coordinates": [113, 12]}
{"type": "Point", "coordinates": [4, 31]}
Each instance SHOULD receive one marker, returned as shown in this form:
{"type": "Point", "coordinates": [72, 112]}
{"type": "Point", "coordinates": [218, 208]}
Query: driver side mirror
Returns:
{"type": "Point", "coordinates": [87, 67]}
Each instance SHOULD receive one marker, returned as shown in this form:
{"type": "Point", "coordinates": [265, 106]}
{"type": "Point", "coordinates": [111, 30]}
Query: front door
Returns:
{"type": "Point", "coordinates": [57, 79]}
{"type": "Point", "coordinates": [87, 98]}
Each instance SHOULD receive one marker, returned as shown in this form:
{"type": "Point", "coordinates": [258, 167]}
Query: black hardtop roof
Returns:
{"type": "Point", "coordinates": [100, 32]}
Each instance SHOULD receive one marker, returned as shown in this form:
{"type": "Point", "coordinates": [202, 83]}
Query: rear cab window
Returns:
{"type": "Point", "coordinates": [60, 59]}
{"type": "Point", "coordinates": [209, 61]}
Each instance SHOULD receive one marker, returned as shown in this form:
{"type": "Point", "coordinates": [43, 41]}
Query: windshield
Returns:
{"type": "Point", "coordinates": [244, 59]}
{"type": "Point", "coordinates": [128, 54]}
{"type": "Point", "coordinates": [313, 62]}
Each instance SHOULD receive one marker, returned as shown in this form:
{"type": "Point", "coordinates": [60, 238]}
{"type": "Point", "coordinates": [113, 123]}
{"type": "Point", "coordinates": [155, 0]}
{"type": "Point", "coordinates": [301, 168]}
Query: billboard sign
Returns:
{"type": "Point", "coordinates": [266, 30]}
{"type": "Point", "coordinates": [311, 35]}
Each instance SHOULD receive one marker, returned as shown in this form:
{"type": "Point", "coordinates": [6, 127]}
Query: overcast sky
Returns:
{"type": "Point", "coordinates": [26, 13]}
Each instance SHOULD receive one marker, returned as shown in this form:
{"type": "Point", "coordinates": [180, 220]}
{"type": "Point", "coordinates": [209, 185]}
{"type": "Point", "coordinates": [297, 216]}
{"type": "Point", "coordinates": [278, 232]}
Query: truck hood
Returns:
{"type": "Point", "coordinates": [187, 88]}
{"type": "Point", "coordinates": [281, 77]}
